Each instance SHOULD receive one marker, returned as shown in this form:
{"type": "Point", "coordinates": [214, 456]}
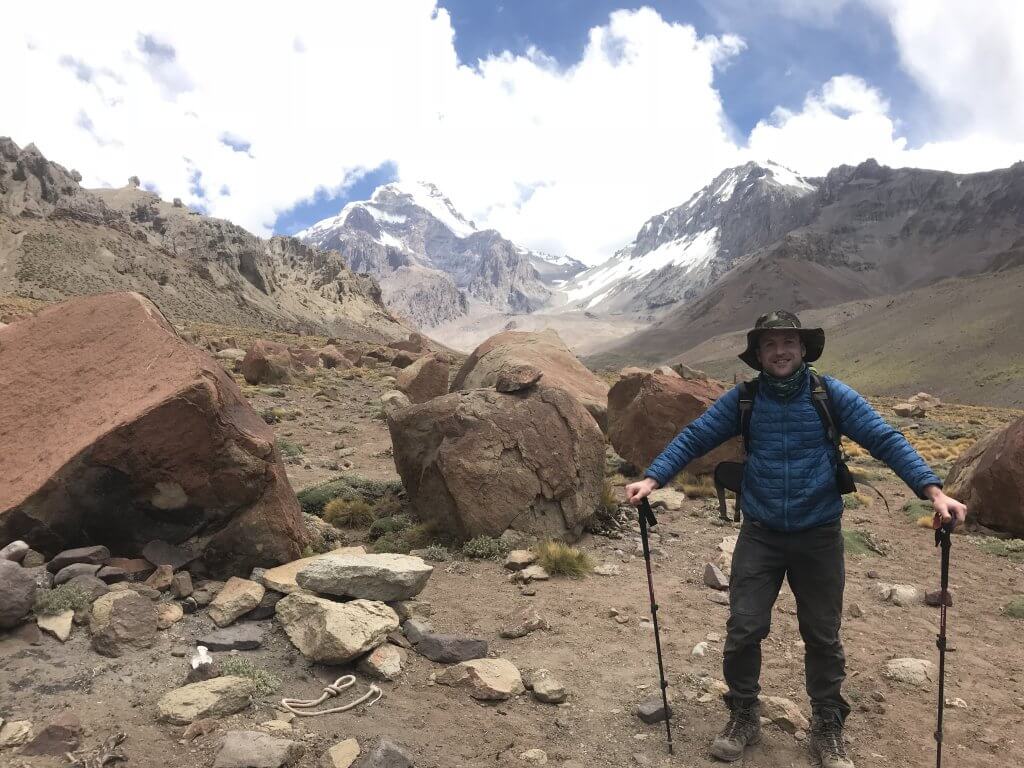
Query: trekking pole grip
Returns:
{"type": "Point", "coordinates": [648, 514]}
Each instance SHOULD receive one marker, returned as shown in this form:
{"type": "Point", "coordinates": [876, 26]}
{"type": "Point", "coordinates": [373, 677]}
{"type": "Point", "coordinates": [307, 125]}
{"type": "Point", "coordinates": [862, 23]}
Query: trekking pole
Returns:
{"type": "Point", "coordinates": [647, 518]}
{"type": "Point", "coordinates": [943, 539]}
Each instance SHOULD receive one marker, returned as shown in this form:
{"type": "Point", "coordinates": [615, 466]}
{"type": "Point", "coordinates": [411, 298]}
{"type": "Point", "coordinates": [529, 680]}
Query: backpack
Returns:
{"type": "Point", "coordinates": [729, 474]}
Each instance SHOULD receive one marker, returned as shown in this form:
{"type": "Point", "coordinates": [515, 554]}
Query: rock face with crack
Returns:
{"type": "Point", "coordinates": [123, 437]}
{"type": "Point", "coordinates": [480, 462]}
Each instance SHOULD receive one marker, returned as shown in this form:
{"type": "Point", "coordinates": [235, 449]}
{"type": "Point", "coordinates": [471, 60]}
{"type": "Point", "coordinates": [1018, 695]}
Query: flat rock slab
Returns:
{"type": "Point", "coordinates": [68, 572]}
{"type": "Point", "coordinates": [334, 633]}
{"type": "Point", "coordinates": [524, 621]}
{"type": "Point", "coordinates": [370, 577]}
{"type": "Point", "coordinates": [175, 555]}
{"type": "Point", "coordinates": [209, 698]}
{"type": "Point", "coordinates": [449, 649]}
{"type": "Point", "coordinates": [240, 637]}
{"type": "Point", "coordinates": [518, 559]}
{"type": "Point", "coordinates": [95, 555]}
{"type": "Point", "coordinates": [917, 672]}
{"type": "Point", "coordinates": [134, 568]}
{"type": "Point", "coordinates": [58, 625]}
{"type": "Point", "coordinates": [714, 578]}
{"type": "Point", "coordinates": [388, 754]}
{"type": "Point", "coordinates": [255, 749]}
{"type": "Point", "coordinates": [282, 578]}
{"type": "Point", "coordinates": [238, 597]}
{"type": "Point", "coordinates": [487, 679]}
{"type": "Point", "coordinates": [383, 663]}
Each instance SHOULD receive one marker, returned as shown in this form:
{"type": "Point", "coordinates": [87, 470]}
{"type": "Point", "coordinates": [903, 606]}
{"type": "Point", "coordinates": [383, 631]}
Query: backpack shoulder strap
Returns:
{"type": "Point", "coordinates": [823, 405]}
{"type": "Point", "coordinates": [748, 391]}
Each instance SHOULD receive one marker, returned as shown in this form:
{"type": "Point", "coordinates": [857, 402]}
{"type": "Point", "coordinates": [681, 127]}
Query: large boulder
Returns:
{"type": "Point", "coordinates": [989, 479]}
{"type": "Point", "coordinates": [480, 462]}
{"type": "Point", "coordinates": [646, 410]}
{"type": "Point", "coordinates": [543, 350]}
{"type": "Point", "coordinates": [334, 633]}
{"type": "Point", "coordinates": [372, 577]}
{"type": "Point", "coordinates": [424, 379]}
{"type": "Point", "coordinates": [270, 362]}
{"type": "Point", "coordinates": [117, 431]}
{"type": "Point", "coordinates": [121, 621]}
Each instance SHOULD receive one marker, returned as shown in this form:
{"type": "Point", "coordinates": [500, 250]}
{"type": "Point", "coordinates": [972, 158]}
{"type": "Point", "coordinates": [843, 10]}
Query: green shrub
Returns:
{"type": "Point", "coordinates": [854, 501]}
{"type": "Point", "coordinates": [351, 487]}
{"type": "Point", "coordinates": [485, 548]}
{"type": "Point", "coordinates": [345, 513]}
{"type": "Point", "coordinates": [385, 525]}
{"type": "Point", "coordinates": [559, 559]}
{"type": "Point", "coordinates": [289, 449]}
{"type": "Point", "coordinates": [404, 540]}
{"type": "Point", "coordinates": [859, 543]}
{"type": "Point", "coordinates": [437, 553]}
{"type": "Point", "coordinates": [917, 508]}
{"type": "Point", "coordinates": [63, 598]}
{"type": "Point", "coordinates": [264, 682]}
{"type": "Point", "coordinates": [1012, 549]}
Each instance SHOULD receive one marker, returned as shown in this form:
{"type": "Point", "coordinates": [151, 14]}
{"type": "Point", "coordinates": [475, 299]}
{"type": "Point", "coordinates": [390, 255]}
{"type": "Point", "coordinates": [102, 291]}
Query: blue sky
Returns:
{"type": "Point", "coordinates": [785, 58]}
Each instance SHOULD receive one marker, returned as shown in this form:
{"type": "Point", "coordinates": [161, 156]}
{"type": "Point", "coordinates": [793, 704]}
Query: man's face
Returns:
{"type": "Point", "coordinates": [780, 352]}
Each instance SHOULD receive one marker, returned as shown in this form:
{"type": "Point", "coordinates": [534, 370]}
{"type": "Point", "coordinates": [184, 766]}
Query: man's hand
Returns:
{"type": "Point", "coordinates": [946, 508]}
{"type": "Point", "coordinates": [640, 490]}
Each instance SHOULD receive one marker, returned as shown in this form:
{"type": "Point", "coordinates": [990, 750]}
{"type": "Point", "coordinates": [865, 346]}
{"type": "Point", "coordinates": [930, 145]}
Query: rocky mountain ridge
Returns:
{"type": "Point", "coordinates": [58, 239]}
{"type": "Point", "coordinates": [433, 264]}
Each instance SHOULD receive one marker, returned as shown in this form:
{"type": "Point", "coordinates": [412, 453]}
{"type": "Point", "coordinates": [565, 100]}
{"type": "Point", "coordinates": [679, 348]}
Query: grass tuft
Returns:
{"type": "Point", "coordinates": [609, 503]}
{"type": "Point", "coordinates": [289, 449]}
{"type": "Point", "coordinates": [437, 553]}
{"type": "Point", "coordinates": [1015, 608]}
{"type": "Point", "coordinates": [1012, 549]}
{"type": "Point", "coordinates": [64, 598]}
{"type": "Point", "coordinates": [385, 525]}
{"type": "Point", "coordinates": [558, 558]}
{"type": "Point", "coordinates": [402, 541]}
{"type": "Point", "coordinates": [348, 513]}
{"type": "Point", "coordinates": [350, 487]}
{"type": "Point", "coordinates": [696, 486]}
{"type": "Point", "coordinates": [264, 682]}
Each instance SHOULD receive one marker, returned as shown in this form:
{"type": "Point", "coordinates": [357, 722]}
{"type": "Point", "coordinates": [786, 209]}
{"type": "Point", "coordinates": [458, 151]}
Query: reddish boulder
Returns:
{"type": "Point", "coordinates": [268, 362]}
{"type": "Point", "coordinates": [425, 379]}
{"type": "Point", "coordinates": [646, 410]}
{"type": "Point", "coordinates": [480, 462]}
{"type": "Point", "coordinates": [332, 357]}
{"type": "Point", "coordinates": [545, 351]}
{"type": "Point", "coordinates": [117, 431]}
{"type": "Point", "coordinates": [989, 479]}
{"type": "Point", "coordinates": [415, 343]}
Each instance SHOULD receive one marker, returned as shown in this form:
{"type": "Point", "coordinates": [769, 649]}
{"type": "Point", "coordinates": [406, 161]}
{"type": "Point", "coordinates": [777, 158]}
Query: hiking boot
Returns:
{"type": "Point", "coordinates": [744, 728]}
{"type": "Point", "coordinates": [826, 742]}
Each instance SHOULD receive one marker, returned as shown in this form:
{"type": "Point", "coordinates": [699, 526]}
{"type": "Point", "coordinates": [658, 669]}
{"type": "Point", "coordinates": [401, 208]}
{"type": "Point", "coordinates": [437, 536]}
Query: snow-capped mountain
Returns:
{"type": "Point", "coordinates": [677, 254]}
{"type": "Point", "coordinates": [433, 264]}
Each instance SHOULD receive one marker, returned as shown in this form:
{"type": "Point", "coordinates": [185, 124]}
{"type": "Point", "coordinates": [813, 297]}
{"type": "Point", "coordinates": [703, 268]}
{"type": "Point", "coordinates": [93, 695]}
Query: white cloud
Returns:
{"type": "Point", "coordinates": [270, 106]}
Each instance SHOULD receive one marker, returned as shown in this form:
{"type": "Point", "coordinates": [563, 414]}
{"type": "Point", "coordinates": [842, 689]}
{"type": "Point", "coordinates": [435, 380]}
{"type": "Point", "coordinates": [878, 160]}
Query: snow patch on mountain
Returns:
{"type": "Point", "coordinates": [428, 197]}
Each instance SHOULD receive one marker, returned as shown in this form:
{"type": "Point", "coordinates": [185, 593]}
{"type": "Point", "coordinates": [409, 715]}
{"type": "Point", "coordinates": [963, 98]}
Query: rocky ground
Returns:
{"type": "Point", "coordinates": [599, 642]}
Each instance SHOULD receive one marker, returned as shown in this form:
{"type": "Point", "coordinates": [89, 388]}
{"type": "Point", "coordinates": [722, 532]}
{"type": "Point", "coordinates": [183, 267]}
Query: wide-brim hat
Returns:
{"type": "Point", "coordinates": [780, 319]}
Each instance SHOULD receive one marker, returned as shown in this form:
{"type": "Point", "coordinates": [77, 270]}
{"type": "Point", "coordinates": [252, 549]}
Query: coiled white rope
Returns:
{"type": "Point", "coordinates": [345, 681]}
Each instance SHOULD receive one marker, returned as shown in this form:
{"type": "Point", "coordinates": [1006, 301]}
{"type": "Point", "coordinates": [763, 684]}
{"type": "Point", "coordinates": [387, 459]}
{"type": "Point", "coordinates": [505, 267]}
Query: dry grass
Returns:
{"type": "Point", "coordinates": [609, 501]}
{"type": "Point", "coordinates": [559, 559]}
{"type": "Point", "coordinates": [348, 513]}
{"type": "Point", "coordinates": [695, 486]}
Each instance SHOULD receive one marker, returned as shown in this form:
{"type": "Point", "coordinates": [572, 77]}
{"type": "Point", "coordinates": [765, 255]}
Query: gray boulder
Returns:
{"type": "Point", "coordinates": [371, 577]}
{"type": "Point", "coordinates": [17, 593]}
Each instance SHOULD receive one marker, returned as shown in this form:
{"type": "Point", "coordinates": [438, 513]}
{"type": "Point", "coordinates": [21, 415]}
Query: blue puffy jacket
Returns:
{"type": "Point", "coordinates": [789, 483]}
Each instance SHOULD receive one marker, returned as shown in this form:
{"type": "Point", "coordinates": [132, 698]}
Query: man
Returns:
{"type": "Point", "coordinates": [792, 508]}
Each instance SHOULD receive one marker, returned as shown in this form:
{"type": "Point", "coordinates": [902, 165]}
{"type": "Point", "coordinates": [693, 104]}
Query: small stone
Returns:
{"type": "Point", "coordinates": [855, 611]}
{"type": "Point", "coordinates": [784, 713]}
{"type": "Point", "coordinates": [75, 569]}
{"type": "Point", "coordinates": [15, 551]}
{"type": "Point", "coordinates": [219, 696]}
{"type": "Point", "coordinates": [161, 578]}
{"type": "Point", "coordinates": [714, 578]}
{"type": "Point", "coordinates": [341, 755]}
{"type": "Point", "coordinates": [800, 734]}
{"type": "Point", "coordinates": [533, 573]}
{"type": "Point", "coordinates": [253, 749]}
{"type": "Point", "coordinates": [179, 651]}
{"type": "Point", "coordinates": [904, 595]}
{"type": "Point", "coordinates": [415, 629]}
{"type": "Point", "coordinates": [133, 568]}
{"type": "Point", "coordinates": [110, 574]}
{"type": "Point", "coordinates": [200, 727]}
{"type": "Point", "coordinates": [93, 555]}
{"type": "Point", "coordinates": [546, 688]}
{"type": "Point", "coordinates": [15, 732]}
{"type": "Point", "coordinates": [181, 584]}
{"type": "Point", "coordinates": [238, 596]}
{"type": "Point", "coordinates": [699, 649]}
{"type": "Point", "coordinates": [873, 575]}
{"type": "Point", "coordinates": [518, 559]}
{"type": "Point", "coordinates": [33, 559]}
{"type": "Point", "coordinates": [488, 679]}
{"type": "Point", "coordinates": [719, 597]}
{"type": "Point", "coordinates": [956, 703]}
{"type": "Point", "coordinates": [652, 710]}
{"type": "Point", "coordinates": [366, 576]}
{"type": "Point", "coordinates": [934, 598]}
{"type": "Point", "coordinates": [524, 621]}
{"type": "Point", "coordinates": [383, 663]}
{"type": "Point", "coordinates": [61, 735]}
{"type": "Point", "coordinates": [58, 625]}
{"type": "Point", "coordinates": [450, 649]}
{"type": "Point", "coordinates": [911, 671]}
{"type": "Point", "coordinates": [535, 756]}
{"type": "Point", "coordinates": [168, 614]}
{"type": "Point", "coordinates": [607, 569]}
{"type": "Point", "coordinates": [204, 592]}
